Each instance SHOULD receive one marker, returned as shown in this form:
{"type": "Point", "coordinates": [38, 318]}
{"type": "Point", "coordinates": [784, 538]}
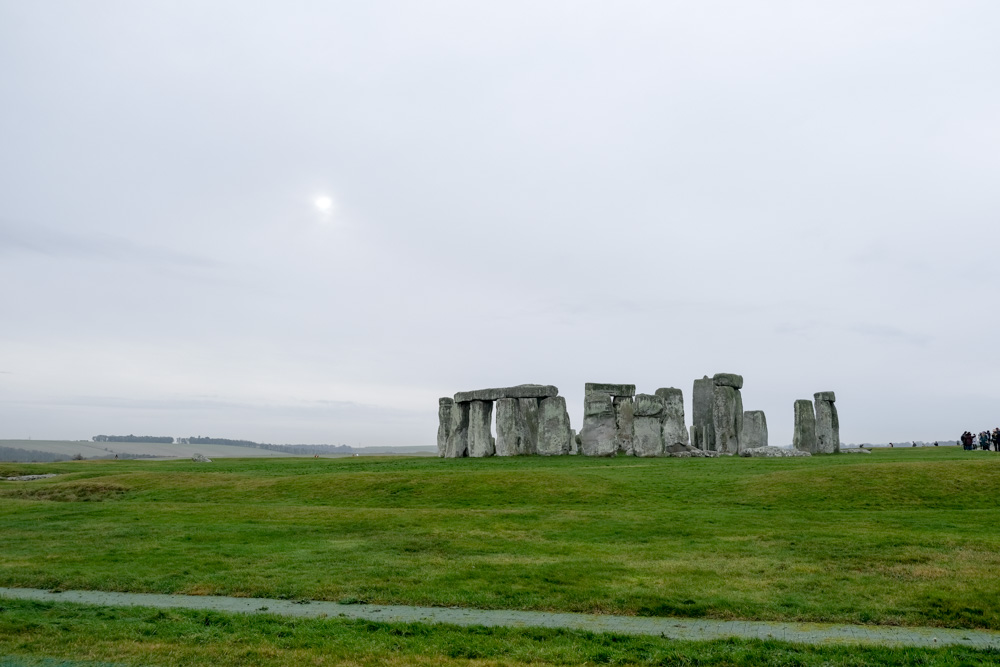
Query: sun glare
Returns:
{"type": "Point", "coordinates": [324, 204]}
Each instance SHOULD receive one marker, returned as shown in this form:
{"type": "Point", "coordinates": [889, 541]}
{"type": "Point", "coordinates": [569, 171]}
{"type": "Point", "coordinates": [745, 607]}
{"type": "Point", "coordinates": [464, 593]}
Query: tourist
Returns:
{"type": "Point", "coordinates": [996, 439]}
{"type": "Point", "coordinates": [984, 440]}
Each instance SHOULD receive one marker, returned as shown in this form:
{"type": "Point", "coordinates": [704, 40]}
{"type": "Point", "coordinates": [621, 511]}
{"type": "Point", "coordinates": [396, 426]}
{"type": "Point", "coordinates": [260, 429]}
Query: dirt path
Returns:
{"type": "Point", "coordinates": [673, 628]}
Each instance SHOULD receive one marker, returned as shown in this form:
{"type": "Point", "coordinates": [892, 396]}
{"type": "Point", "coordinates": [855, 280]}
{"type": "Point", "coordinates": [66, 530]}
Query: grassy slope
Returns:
{"type": "Point", "coordinates": [905, 536]}
{"type": "Point", "coordinates": [181, 638]}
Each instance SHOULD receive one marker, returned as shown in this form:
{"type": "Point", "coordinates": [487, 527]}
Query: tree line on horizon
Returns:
{"type": "Point", "coordinates": [199, 440]}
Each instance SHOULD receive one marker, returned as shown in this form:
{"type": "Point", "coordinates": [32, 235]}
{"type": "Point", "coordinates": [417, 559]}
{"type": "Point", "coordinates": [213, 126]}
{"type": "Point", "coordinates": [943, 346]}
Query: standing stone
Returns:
{"type": "Point", "coordinates": [726, 402]}
{"type": "Point", "coordinates": [804, 437]}
{"type": "Point", "coordinates": [517, 426]}
{"type": "Point", "coordinates": [674, 432]}
{"type": "Point", "coordinates": [445, 406]}
{"type": "Point", "coordinates": [511, 429]}
{"type": "Point", "coordinates": [754, 429]}
{"type": "Point", "coordinates": [458, 437]}
{"type": "Point", "coordinates": [827, 423]}
{"type": "Point", "coordinates": [647, 427]}
{"type": "Point", "coordinates": [481, 441]}
{"type": "Point", "coordinates": [574, 442]}
{"type": "Point", "coordinates": [702, 401]}
{"type": "Point", "coordinates": [529, 412]}
{"type": "Point", "coordinates": [555, 437]}
{"type": "Point", "coordinates": [599, 434]}
{"type": "Point", "coordinates": [625, 422]}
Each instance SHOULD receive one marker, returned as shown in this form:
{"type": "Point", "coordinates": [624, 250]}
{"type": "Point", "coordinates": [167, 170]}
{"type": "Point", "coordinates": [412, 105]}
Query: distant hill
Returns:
{"type": "Point", "coordinates": [63, 450]}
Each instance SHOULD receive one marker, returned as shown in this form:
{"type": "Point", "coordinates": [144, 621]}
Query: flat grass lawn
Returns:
{"type": "Point", "coordinates": [904, 536]}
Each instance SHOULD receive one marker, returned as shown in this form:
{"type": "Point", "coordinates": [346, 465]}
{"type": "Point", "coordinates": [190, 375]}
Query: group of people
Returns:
{"type": "Point", "coordinates": [984, 440]}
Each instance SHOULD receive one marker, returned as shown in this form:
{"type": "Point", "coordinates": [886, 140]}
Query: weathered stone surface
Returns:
{"type": "Point", "coordinates": [672, 428]}
{"type": "Point", "coordinates": [514, 434]}
{"type": "Point", "coordinates": [772, 452]}
{"type": "Point", "coordinates": [625, 422]}
{"type": "Point", "coordinates": [481, 441]}
{"type": "Point", "coordinates": [599, 434]}
{"type": "Point", "coordinates": [727, 418]}
{"type": "Point", "coordinates": [855, 450]}
{"type": "Point", "coordinates": [827, 426]}
{"type": "Point", "coordinates": [200, 458]}
{"type": "Point", "coordinates": [679, 448]}
{"type": "Point", "coordinates": [520, 391]}
{"type": "Point", "coordinates": [555, 437]}
{"type": "Point", "coordinates": [648, 405]}
{"type": "Point", "coordinates": [529, 410]}
{"type": "Point", "coordinates": [825, 396]}
{"type": "Point", "coordinates": [445, 406]}
{"type": "Point", "coordinates": [458, 437]}
{"type": "Point", "coordinates": [754, 429]}
{"type": "Point", "coordinates": [610, 389]}
{"type": "Point", "coordinates": [701, 399]}
{"type": "Point", "coordinates": [647, 430]}
{"type": "Point", "coordinates": [804, 436]}
{"type": "Point", "coordinates": [728, 380]}
{"type": "Point", "coordinates": [647, 437]}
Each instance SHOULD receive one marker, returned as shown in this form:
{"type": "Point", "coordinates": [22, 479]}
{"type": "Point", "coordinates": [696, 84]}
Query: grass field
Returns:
{"type": "Point", "coordinates": [904, 536]}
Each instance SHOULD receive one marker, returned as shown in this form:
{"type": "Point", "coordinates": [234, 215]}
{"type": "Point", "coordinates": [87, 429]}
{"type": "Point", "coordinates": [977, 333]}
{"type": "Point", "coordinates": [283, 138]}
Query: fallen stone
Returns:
{"type": "Point", "coordinates": [772, 452]}
{"type": "Point", "coordinates": [520, 391]}
{"type": "Point", "coordinates": [200, 458]}
{"type": "Point", "coordinates": [855, 450]}
{"type": "Point", "coordinates": [804, 435]}
{"type": "Point", "coordinates": [677, 448]}
{"type": "Point", "coordinates": [445, 406]}
{"type": "Point", "coordinates": [458, 437]}
{"type": "Point", "coordinates": [599, 434]}
{"type": "Point", "coordinates": [610, 389]}
{"type": "Point", "coordinates": [728, 380]}
{"type": "Point", "coordinates": [481, 442]}
{"type": "Point", "coordinates": [754, 429]}
{"type": "Point", "coordinates": [555, 437]}
{"type": "Point", "coordinates": [672, 428]}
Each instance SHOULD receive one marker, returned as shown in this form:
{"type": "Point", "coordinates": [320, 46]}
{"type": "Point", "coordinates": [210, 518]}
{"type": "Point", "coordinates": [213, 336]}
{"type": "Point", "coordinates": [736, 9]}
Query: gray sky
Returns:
{"type": "Point", "coordinates": [552, 192]}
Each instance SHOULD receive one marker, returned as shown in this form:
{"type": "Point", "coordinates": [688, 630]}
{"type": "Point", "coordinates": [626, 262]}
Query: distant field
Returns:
{"type": "Point", "coordinates": [904, 536]}
{"type": "Point", "coordinates": [89, 449]}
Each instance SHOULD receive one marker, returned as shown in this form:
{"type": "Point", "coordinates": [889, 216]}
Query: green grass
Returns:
{"type": "Point", "coordinates": [98, 636]}
{"type": "Point", "coordinates": [898, 537]}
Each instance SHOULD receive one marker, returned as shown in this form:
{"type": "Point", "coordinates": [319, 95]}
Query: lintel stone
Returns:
{"type": "Point", "coordinates": [825, 396]}
{"type": "Point", "coordinates": [520, 391]}
{"type": "Point", "coordinates": [728, 380]}
{"type": "Point", "coordinates": [617, 390]}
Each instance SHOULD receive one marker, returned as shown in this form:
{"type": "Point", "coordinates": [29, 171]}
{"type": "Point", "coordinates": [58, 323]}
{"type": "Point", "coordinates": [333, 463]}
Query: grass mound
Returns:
{"type": "Point", "coordinates": [73, 492]}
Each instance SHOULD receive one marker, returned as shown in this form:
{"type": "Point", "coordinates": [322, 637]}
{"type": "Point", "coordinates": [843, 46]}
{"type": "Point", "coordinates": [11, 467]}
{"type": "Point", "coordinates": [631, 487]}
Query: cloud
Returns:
{"type": "Point", "coordinates": [39, 240]}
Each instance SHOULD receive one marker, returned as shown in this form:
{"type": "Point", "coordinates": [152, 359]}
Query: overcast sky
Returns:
{"type": "Point", "coordinates": [805, 193]}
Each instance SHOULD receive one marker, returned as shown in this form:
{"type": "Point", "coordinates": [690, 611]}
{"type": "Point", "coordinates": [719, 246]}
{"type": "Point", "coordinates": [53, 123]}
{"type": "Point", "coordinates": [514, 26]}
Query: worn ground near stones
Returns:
{"type": "Point", "coordinates": [671, 628]}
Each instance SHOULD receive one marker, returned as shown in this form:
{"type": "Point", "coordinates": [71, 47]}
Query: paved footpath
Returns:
{"type": "Point", "coordinates": [672, 628]}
